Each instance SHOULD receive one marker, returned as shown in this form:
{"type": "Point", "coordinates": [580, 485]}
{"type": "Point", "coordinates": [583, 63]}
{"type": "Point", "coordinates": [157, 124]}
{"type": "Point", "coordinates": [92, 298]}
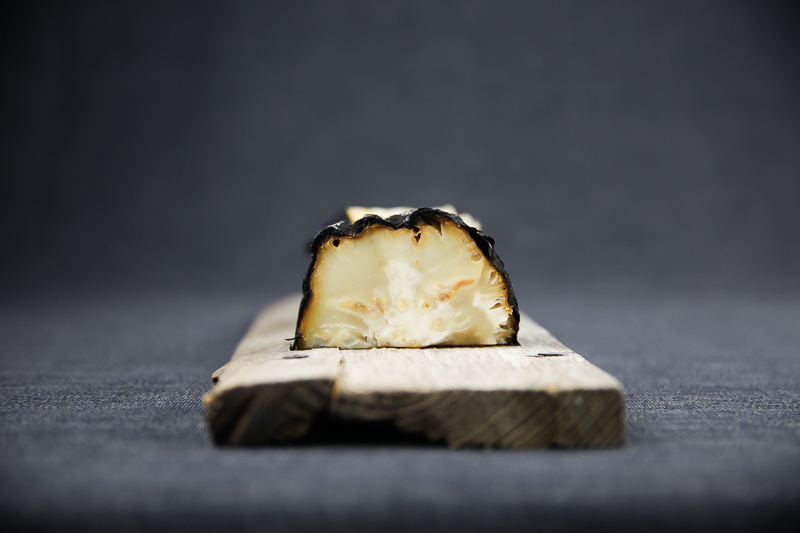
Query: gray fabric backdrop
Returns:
{"type": "Point", "coordinates": [638, 164]}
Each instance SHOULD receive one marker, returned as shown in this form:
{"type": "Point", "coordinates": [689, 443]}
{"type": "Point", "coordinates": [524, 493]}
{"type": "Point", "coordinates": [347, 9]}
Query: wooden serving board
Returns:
{"type": "Point", "coordinates": [537, 394]}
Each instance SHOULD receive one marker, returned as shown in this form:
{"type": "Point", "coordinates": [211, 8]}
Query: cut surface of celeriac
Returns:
{"type": "Point", "coordinates": [415, 279]}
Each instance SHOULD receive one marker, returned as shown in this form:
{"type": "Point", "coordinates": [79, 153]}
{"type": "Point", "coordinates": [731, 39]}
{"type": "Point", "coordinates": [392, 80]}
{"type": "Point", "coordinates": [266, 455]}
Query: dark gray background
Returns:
{"type": "Point", "coordinates": [163, 164]}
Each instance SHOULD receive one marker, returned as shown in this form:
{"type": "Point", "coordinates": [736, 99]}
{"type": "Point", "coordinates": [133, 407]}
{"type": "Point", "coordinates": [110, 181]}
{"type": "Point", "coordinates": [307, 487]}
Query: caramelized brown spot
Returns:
{"type": "Point", "coordinates": [444, 296]}
{"type": "Point", "coordinates": [463, 283]}
{"type": "Point", "coordinates": [355, 305]}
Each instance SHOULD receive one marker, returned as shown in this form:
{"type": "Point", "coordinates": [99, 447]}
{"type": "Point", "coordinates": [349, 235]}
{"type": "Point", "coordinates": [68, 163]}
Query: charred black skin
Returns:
{"type": "Point", "coordinates": [407, 220]}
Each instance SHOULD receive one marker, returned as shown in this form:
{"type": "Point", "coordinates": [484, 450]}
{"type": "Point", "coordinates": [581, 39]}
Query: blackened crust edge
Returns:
{"type": "Point", "coordinates": [406, 220]}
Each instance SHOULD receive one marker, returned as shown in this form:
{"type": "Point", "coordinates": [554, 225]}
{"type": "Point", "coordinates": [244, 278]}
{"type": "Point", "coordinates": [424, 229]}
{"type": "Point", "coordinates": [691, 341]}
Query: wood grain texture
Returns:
{"type": "Point", "coordinates": [537, 394]}
{"type": "Point", "coordinates": [267, 393]}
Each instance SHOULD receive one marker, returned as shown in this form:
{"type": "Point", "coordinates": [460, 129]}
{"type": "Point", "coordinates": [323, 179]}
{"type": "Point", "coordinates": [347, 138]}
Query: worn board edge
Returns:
{"type": "Point", "coordinates": [537, 394]}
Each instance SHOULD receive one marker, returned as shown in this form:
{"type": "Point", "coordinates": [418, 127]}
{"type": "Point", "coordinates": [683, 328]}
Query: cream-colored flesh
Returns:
{"type": "Point", "coordinates": [401, 288]}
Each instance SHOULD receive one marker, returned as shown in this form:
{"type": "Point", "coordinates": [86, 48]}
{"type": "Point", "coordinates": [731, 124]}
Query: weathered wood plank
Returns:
{"type": "Point", "coordinates": [539, 393]}
{"type": "Point", "coordinates": [267, 393]}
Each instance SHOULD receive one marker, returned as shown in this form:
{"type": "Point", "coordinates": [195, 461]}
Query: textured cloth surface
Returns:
{"type": "Point", "coordinates": [102, 425]}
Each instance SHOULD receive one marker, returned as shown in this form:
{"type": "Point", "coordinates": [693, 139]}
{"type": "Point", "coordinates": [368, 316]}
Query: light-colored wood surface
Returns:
{"type": "Point", "coordinates": [537, 394]}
